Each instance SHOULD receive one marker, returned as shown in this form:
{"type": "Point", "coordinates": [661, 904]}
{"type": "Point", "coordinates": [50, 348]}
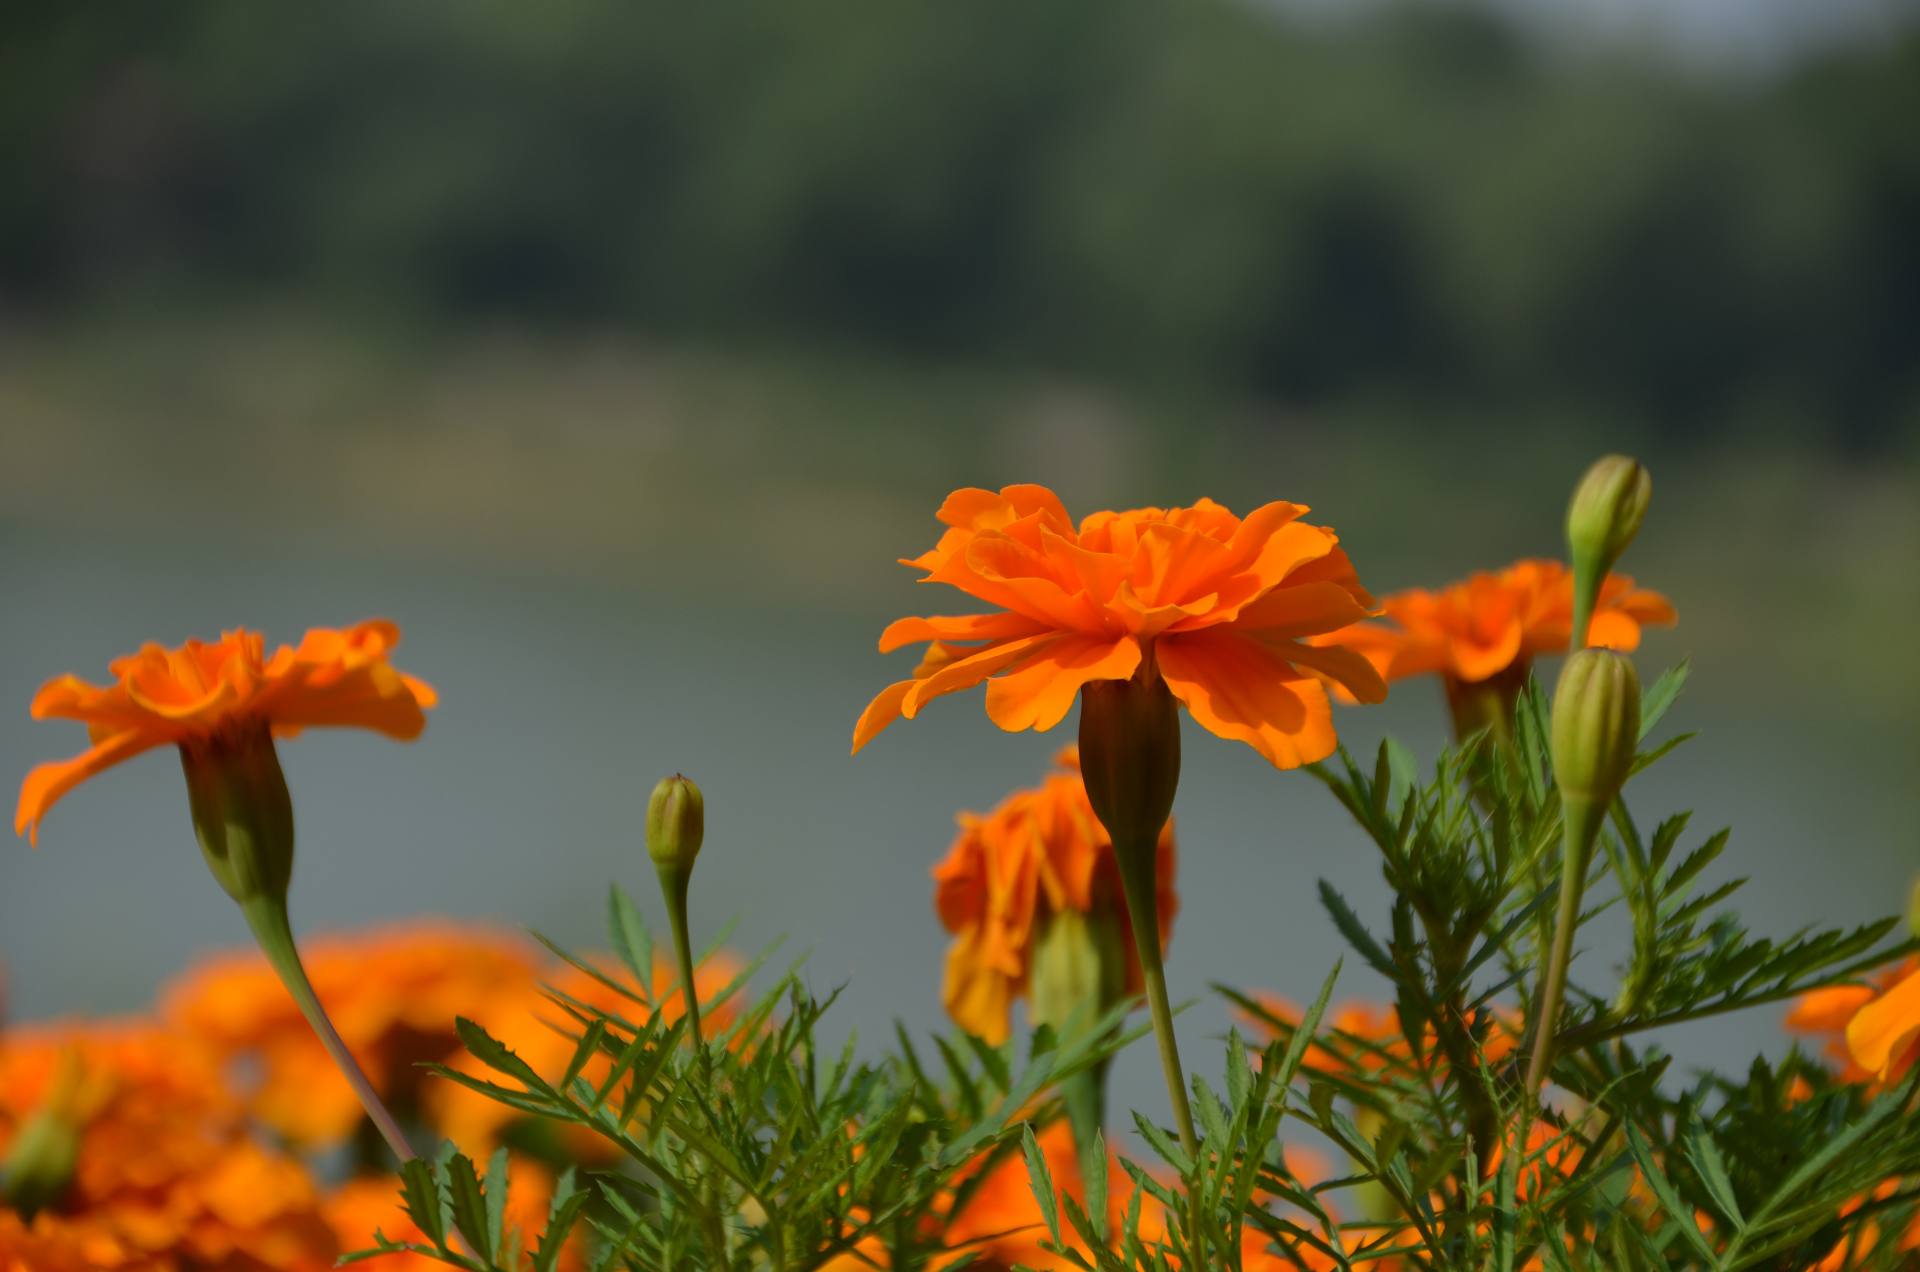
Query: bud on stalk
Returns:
{"type": "Point", "coordinates": [1595, 730]}
{"type": "Point", "coordinates": [1605, 514]}
{"type": "Point", "coordinates": [676, 827]}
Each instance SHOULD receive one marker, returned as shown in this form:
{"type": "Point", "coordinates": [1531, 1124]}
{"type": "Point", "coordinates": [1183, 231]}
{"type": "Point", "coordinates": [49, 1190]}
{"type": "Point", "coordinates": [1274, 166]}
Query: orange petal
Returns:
{"type": "Point", "coordinates": [1879, 1033]}
{"type": "Point", "coordinates": [1039, 693]}
{"type": "Point", "coordinates": [48, 782]}
{"type": "Point", "coordinates": [1309, 609]}
{"type": "Point", "coordinates": [965, 673]}
{"type": "Point", "coordinates": [976, 995]}
{"type": "Point", "coordinates": [911, 631]}
{"type": "Point", "coordinates": [881, 712]}
{"type": "Point", "coordinates": [1238, 689]}
{"type": "Point", "coordinates": [1827, 1010]}
{"type": "Point", "coordinates": [1475, 660]}
{"type": "Point", "coordinates": [1348, 668]}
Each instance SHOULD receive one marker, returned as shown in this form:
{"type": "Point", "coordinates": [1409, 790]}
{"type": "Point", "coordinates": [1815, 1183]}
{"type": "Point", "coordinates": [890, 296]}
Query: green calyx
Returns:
{"type": "Point", "coordinates": [242, 813]}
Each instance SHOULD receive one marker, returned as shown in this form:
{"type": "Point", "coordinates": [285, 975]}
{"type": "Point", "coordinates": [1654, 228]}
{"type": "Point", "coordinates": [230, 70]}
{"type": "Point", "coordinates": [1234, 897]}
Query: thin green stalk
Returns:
{"type": "Point", "coordinates": [1581, 821]}
{"type": "Point", "coordinates": [267, 916]}
{"type": "Point", "coordinates": [673, 886]}
{"type": "Point", "coordinates": [1136, 862]}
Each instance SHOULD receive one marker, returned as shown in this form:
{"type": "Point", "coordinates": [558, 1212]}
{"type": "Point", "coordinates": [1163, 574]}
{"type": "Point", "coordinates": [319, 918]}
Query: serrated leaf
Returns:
{"type": "Point", "coordinates": [1660, 695]}
{"type": "Point", "coordinates": [496, 1199]}
{"type": "Point", "coordinates": [1356, 932]}
{"type": "Point", "coordinates": [420, 1197]}
{"type": "Point", "coordinates": [469, 1204]}
{"type": "Point", "coordinates": [1162, 1143]}
{"type": "Point", "coordinates": [493, 1053]}
{"type": "Point", "coordinates": [1042, 1180]}
{"type": "Point", "coordinates": [1678, 1212]}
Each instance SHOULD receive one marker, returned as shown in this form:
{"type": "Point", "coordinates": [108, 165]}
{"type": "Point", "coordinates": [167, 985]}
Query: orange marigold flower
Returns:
{"type": "Point", "coordinates": [1002, 1226]}
{"type": "Point", "coordinates": [166, 1176]}
{"type": "Point", "coordinates": [1871, 1032]}
{"type": "Point", "coordinates": [1038, 852]}
{"type": "Point", "coordinates": [392, 993]}
{"type": "Point", "coordinates": [1220, 604]}
{"type": "Point", "coordinates": [207, 692]}
{"type": "Point", "coordinates": [1495, 623]}
{"type": "Point", "coordinates": [1365, 1037]}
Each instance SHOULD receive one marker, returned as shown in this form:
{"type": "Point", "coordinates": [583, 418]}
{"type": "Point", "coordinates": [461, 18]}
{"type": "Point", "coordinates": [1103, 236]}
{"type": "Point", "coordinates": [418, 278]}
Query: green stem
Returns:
{"type": "Point", "coordinates": [267, 916]}
{"type": "Point", "coordinates": [673, 887]}
{"type": "Point", "coordinates": [1136, 862]}
{"type": "Point", "coordinates": [1581, 823]}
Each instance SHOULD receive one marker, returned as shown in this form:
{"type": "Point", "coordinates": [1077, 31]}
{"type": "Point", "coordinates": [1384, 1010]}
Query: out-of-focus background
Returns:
{"type": "Point", "coordinates": [617, 350]}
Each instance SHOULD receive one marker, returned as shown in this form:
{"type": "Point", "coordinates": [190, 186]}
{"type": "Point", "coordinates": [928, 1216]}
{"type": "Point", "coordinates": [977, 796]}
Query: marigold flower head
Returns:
{"type": "Point", "coordinates": [166, 1177]}
{"type": "Point", "coordinates": [393, 994]}
{"type": "Point", "coordinates": [1217, 605]}
{"type": "Point", "coordinates": [1495, 623]}
{"type": "Point", "coordinates": [1038, 852]}
{"type": "Point", "coordinates": [209, 693]}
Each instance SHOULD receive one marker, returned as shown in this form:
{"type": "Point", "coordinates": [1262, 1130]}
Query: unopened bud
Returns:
{"type": "Point", "coordinates": [1079, 967]}
{"type": "Point", "coordinates": [40, 1163]}
{"type": "Point", "coordinates": [676, 823]}
{"type": "Point", "coordinates": [1130, 757]}
{"type": "Point", "coordinates": [1596, 726]}
{"type": "Point", "coordinates": [242, 813]}
{"type": "Point", "coordinates": [1603, 517]}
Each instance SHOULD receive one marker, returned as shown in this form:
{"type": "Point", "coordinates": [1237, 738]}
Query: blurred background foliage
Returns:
{"type": "Point", "coordinates": [1418, 200]}
{"type": "Point", "coordinates": [616, 350]}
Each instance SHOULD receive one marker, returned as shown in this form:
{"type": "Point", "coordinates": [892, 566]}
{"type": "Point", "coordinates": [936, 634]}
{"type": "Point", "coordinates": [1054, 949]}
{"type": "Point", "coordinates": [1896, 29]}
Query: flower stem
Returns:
{"type": "Point", "coordinates": [267, 916]}
{"type": "Point", "coordinates": [673, 887]}
{"type": "Point", "coordinates": [1581, 824]}
{"type": "Point", "coordinates": [1136, 862]}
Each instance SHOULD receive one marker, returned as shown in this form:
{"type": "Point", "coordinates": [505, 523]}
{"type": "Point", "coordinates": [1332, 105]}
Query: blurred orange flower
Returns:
{"type": "Point", "coordinates": [203, 692]}
{"type": "Point", "coordinates": [1496, 622]}
{"type": "Point", "coordinates": [1872, 1032]}
{"type": "Point", "coordinates": [1001, 1225]}
{"type": "Point", "coordinates": [1038, 852]}
{"type": "Point", "coordinates": [542, 1034]}
{"type": "Point", "coordinates": [165, 1177]}
{"type": "Point", "coordinates": [393, 994]}
{"type": "Point", "coordinates": [1218, 603]}
{"type": "Point", "coordinates": [1365, 1037]}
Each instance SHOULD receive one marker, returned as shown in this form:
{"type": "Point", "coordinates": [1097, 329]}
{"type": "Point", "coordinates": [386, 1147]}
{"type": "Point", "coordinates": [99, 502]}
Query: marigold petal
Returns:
{"type": "Point", "coordinates": [957, 627]}
{"type": "Point", "coordinates": [1347, 668]}
{"type": "Point", "coordinates": [1879, 1033]}
{"type": "Point", "coordinates": [881, 712]}
{"type": "Point", "coordinates": [965, 673]}
{"type": "Point", "coordinates": [1238, 689]}
{"type": "Point", "coordinates": [1477, 659]}
{"type": "Point", "coordinates": [47, 783]}
{"type": "Point", "coordinates": [1310, 609]}
{"type": "Point", "coordinates": [1039, 693]}
{"type": "Point", "coordinates": [978, 997]}
{"type": "Point", "coordinates": [1827, 1010]}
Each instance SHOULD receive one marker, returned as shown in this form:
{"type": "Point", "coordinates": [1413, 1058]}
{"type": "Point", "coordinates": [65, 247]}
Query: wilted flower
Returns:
{"type": "Point", "coordinates": [1220, 605]}
{"type": "Point", "coordinates": [393, 994]}
{"type": "Point", "coordinates": [1040, 852]}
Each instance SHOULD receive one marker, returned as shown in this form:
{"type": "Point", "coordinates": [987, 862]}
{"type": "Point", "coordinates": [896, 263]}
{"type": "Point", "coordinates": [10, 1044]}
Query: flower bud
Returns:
{"type": "Point", "coordinates": [1596, 726]}
{"type": "Point", "coordinates": [46, 1149]}
{"type": "Point", "coordinates": [676, 823]}
{"type": "Point", "coordinates": [1079, 967]}
{"type": "Point", "coordinates": [1130, 757]}
{"type": "Point", "coordinates": [1605, 513]}
{"type": "Point", "coordinates": [242, 813]}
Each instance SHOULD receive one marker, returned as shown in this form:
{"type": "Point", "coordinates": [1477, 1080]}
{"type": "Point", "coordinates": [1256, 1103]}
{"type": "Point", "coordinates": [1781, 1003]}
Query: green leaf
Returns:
{"type": "Point", "coordinates": [1356, 932]}
{"type": "Point", "coordinates": [496, 1198]}
{"type": "Point", "coordinates": [496, 1055]}
{"type": "Point", "coordinates": [562, 1213]}
{"type": "Point", "coordinates": [631, 939]}
{"type": "Point", "coordinates": [1678, 1212]}
{"type": "Point", "coordinates": [469, 1205]}
{"type": "Point", "coordinates": [1711, 1167]}
{"type": "Point", "coordinates": [1162, 1143]}
{"type": "Point", "coordinates": [420, 1197]}
{"type": "Point", "coordinates": [1042, 1180]}
{"type": "Point", "coordinates": [1660, 695]}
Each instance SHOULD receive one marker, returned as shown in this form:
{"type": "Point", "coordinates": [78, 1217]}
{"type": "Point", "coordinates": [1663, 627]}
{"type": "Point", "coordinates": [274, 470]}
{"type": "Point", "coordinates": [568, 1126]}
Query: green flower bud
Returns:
{"type": "Point", "coordinates": [1130, 758]}
{"type": "Point", "coordinates": [242, 813]}
{"type": "Point", "coordinates": [1079, 967]}
{"type": "Point", "coordinates": [41, 1161]}
{"type": "Point", "coordinates": [676, 823]}
{"type": "Point", "coordinates": [1596, 726]}
{"type": "Point", "coordinates": [1605, 514]}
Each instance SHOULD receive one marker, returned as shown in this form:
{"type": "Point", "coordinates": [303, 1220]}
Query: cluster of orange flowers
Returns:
{"type": "Point", "coordinates": [197, 1127]}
